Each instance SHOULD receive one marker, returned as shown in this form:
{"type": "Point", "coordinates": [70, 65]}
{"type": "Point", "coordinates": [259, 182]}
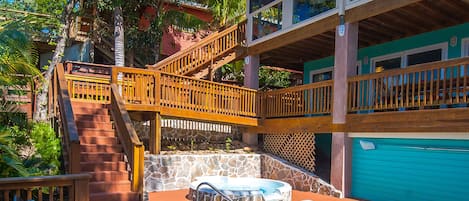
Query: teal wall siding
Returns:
{"type": "Point", "coordinates": [410, 169]}
{"type": "Point", "coordinates": [425, 39]}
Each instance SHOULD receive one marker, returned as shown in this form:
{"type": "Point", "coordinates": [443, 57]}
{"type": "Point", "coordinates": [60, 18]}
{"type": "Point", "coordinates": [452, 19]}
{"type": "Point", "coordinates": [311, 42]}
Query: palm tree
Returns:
{"type": "Point", "coordinates": [41, 99]}
{"type": "Point", "coordinates": [119, 40]}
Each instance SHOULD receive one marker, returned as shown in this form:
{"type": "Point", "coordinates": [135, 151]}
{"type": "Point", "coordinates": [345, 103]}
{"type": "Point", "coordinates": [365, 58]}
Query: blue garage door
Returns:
{"type": "Point", "coordinates": [409, 169]}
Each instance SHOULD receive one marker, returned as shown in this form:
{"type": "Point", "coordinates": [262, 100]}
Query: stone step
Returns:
{"type": "Point", "coordinates": [116, 148]}
{"type": "Point", "coordinates": [109, 186]}
{"type": "Point", "coordinates": [109, 176]}
{"type": "Point", "coordinates": [94, 124]}
{"type": "Point", "coordinates": [99, 140]}
{"type": "Point", "coordinates": [102, 166]}
{"type": "Point", "coordinates": [101, 156]}
{"type": "Point", "coordinates": [116, 196]}
{"type": "Point", "coordinates": [96, 132]}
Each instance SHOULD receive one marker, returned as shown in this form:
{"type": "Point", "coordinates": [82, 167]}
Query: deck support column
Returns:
{"type": "Point", "coordinates": [251, 80]}
{"type": "Point", "coordinates": [346, 46]}
{"type": "Point", "coordinates": [155, 133]}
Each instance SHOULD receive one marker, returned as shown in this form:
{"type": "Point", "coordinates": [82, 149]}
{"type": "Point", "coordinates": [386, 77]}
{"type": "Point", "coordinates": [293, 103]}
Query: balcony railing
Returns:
{"type": "Point", "coordinates": [419, 86]}
{"type": "Point", "coordinates": [309, 99]}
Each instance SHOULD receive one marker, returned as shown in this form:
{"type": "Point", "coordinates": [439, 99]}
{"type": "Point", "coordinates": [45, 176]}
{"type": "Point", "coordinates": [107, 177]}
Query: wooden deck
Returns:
{"type": "Point", "coordinates": [180, 195]}
{"type": "Point", "coordinates": [420, 90]}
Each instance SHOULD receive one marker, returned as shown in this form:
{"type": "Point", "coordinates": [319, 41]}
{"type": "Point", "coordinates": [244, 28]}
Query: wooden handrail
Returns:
{"type": "Point", "coordinates": [202, 52]}
{"type": "Point", "coordinates": [133, 147]}
{"type": "Point", "coordinates": [430, 84]}
{"type": "Point", "coordinates": [72, 141]}
{"type": "Point", "coordinates": [23, 188]}
{"type": "Point", "coordinates": [309, 99]}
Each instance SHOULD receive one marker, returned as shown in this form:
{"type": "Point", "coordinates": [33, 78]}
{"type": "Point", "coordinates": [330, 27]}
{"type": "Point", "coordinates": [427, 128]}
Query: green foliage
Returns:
{"type": "Point", "coordinates": [271, 79]}
{"type": "Point", "coordinates": [17, 54]}
{"type": "Point", "coordinates": [45, 160]}
{"type": "Point", "coordinates": [10, 163]}
{"type": "Point", "coordinates": [228, 142]}
{"type": "Point", "coordinates": [31, 149]}
{"type": "Point", "coordinates": [227, 12]}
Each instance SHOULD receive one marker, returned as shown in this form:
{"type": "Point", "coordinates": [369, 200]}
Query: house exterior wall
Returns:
{"type": "Point", "coordinates": [366, 54]}
{"type": "Point", "coordinates": [410, 169]}
{"type": "Point", "coordinates": [413, 169]}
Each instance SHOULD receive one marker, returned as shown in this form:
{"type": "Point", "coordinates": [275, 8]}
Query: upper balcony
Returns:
{"type": "Point", "coordinates": [270, 18]}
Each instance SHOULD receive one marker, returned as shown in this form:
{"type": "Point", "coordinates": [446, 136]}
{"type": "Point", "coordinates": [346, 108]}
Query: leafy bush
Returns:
{"type": "Point", "coordinates": [45, 160]}
{"type": "Point", "coordinates": [33, 149]}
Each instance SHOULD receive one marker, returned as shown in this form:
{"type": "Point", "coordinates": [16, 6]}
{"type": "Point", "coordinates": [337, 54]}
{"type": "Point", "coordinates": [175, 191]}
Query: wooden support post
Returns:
{"type": "Point", "coordinates": [346, 47]}
{"type": "Point", "coordinates": [251, 80]}
{"type": "Point", "coordinates": [155, 134]}
{"type": "Point", "coordinates": [81, 190]}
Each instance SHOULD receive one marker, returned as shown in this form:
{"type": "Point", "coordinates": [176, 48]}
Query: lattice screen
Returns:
{"type": "Point", "coordinates": [297, 148]}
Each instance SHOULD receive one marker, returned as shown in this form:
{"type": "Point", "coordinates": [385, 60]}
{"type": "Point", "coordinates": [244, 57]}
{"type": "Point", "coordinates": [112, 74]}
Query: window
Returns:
{"type": "Point", "coordinates": [465, 47]}
{"type": "Point", "coordinates": [304, 9]}
{"type": "Point", "coordinates": [424, 57]}
{"type": "Point", "coordinates": [321, 75]}
{"type": "Point", "coordinates": [410, 57]}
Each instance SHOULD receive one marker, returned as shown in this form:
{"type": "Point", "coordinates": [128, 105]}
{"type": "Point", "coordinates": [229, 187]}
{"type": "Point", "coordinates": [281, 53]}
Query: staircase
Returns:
{"type": "Point", "coordinates": [212, 52]}
{"type": "Point", "coordinates": [102, 154]}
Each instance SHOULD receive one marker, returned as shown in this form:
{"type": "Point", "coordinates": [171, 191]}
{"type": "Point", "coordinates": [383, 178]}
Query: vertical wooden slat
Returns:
{"type": "Point", "coordinates": [6, 195]}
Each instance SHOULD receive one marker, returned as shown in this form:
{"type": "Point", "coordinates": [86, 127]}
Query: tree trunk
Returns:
{"type": "Point", "coordinates": [40, 115]}
{"type": "Point", "coordinates": [119, 41]}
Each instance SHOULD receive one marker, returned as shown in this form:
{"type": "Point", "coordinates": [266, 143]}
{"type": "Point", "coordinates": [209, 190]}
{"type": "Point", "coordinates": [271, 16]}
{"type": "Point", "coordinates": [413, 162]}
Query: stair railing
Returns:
{"type": "Point", "coordinates": [133, 147]}
{"type": "Point", "coordinates": [212, 187]}
{"type": "Point", "coordinates": [67, 121]}
{"type": "Point", "coordinates": [203, 52]}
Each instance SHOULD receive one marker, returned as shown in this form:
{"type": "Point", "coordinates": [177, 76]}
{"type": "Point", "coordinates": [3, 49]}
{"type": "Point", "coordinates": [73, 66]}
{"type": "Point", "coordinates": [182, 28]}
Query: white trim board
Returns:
{"type": "Point", "coordinates": [411, 135]}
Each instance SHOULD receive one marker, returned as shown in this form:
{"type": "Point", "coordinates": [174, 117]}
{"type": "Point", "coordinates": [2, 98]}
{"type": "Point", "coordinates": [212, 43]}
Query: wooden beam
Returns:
{"type": "Point", "coordinates": [438, 120]}
{"type": "Point", "coordinates": [319, 124]}
{"type": "Point", "coordinates": [205, 116]}
{"type": "Point", "coordinates": [155, 134]}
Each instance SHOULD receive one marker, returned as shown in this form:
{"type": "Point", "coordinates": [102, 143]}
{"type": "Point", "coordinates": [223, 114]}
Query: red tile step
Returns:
{"type": "Point", "coordinates": [89, 111]}
{"type": "Point", "coordinates": [94, 124]}
{"type": "Point", "coordinates": [101, 156]}
{"type": "Point", "coordinates": [100, 148]}
{"type": "Point", "coordinates": [94, 132]}
{"type": "Point", "coordinates": [109, 176]}
{"type": "Point", "coordinates": [88, 117]}
{"type": "Point", "coordinates": [109, 186]}
{"type": "Point", "coordinates": [102, 166]}
{"type": "Point", "coordinates": [118, 196]}
{"type": "Point", "coordinates": [98, 140]}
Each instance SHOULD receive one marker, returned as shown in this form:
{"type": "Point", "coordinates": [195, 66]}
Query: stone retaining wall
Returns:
{"type": "Point", "coordinates": [173, 172]}
{"type": "Point", "coordinates": [273, 167]}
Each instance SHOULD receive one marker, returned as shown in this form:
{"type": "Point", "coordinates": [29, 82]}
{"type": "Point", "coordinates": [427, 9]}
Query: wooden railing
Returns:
{"type": "Point", "coordinates": [423, 85]}
{"type": "Point", "coordinates": [153, 88]}
{"type": "Point", "coordinates": [86, 88]}
{"type": "Point", "coordinates": [301, 100]}
{"type": "Point", "coordinates": [133, 148]}
{"type": "Point", "coordinates": [203, 52]}
{"type": "Point", "coordinates": [73, 187]}
{"type": "Point", "coordinates": [71, 141]}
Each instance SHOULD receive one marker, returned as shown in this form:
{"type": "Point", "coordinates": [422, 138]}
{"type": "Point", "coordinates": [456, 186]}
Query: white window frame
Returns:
{"type": "Point", "coordinates": [465, 47]}
{"type": "Point", "coordinates": [403, 54]}
{"type": "Point", "coordinates": [319, 71]}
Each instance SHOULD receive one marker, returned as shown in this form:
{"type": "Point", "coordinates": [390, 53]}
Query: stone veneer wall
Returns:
{"type": "Point", "coordinates": [273, 167]}
{"type": "Point", "coordinates": [173, 172]}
